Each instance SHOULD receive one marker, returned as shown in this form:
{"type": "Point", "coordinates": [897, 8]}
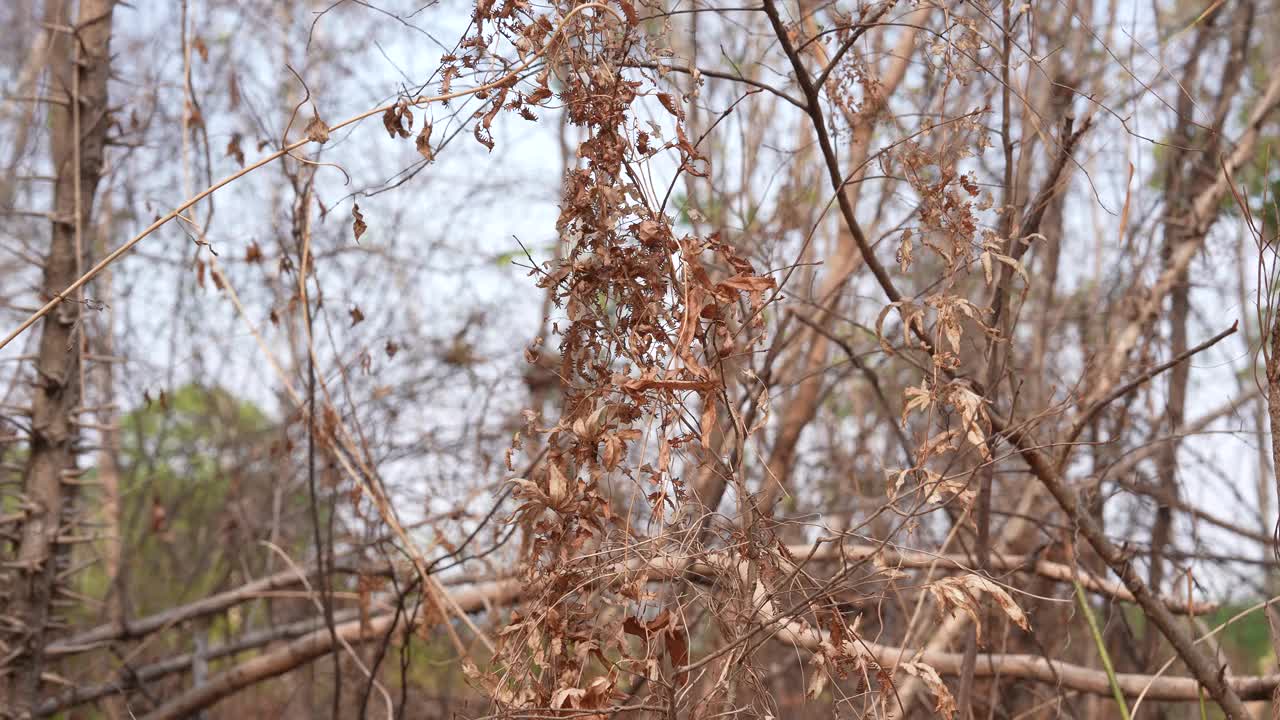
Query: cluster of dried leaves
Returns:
{"type": "Point", "coordinates": [651, 321]}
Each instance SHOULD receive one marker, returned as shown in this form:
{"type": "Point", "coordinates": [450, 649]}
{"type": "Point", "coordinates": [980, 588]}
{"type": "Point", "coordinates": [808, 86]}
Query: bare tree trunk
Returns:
{"type": "Point", "coordinates": [108, 466]}
{"type": "Point", "coordinates": [78, 127]}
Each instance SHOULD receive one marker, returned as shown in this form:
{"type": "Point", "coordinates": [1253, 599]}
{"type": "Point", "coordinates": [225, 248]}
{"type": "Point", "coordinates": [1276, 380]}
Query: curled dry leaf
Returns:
{"type": "Point", "coordinates": [677, 642]}
{"type": "Point", "coordinates": [423, 142]}
{"type": "Point", "coordinates": [317, 131]}
{"type": "Point", "coordinates": [946, 702]}
{"type": "Point", "coordinates": [357, 224]}
{"type": "Point", "coordinates": [918, 398]}
{"type": "Point", "coordinates": [567, 697]}
{"type": "Point", "coordinates": [670, 104]}
{"type": "Point", "coordinates": [629, 11]}
{"type": "Point", "coordinates": [817, 676]}
{"type": "Point", "coordinates": [233, 149]}
{"type": "Point", "coordinates": [973, 411]}
{"type": "Point", "coordinates": [904, 251]}
{"type": "Point", "coordinates": [961, 592]}
{"type": "Point", "coordinates": [557, 484]}
{"type": "Point", "coordinates": [394, 120]}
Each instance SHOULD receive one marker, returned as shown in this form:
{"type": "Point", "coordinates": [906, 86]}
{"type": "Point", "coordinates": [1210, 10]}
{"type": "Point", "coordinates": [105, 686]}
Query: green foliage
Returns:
{"type": "Point", "coordinates": [1246, 640]}
{"type": "Point", "coordinates": [194, 470]}
{"type": "Point", "coordinates": [1247, 637]}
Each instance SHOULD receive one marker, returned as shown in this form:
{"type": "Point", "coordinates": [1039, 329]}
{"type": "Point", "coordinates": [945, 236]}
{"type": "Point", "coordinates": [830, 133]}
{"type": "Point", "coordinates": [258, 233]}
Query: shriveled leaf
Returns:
{"type": "Point", "coordinates": [529, 490]}
{"type": "Point", "coordinates": [972, 411]}
{"type": "Point", "coordinates": [557, 483]}
{"type": "Point", "coordinates": [317, 131]}
{"type": "Point", "coordinates": [649, 231]}
{"type": "Point", "coordinates": [633, 626]}
{"type": "Point", "coordinates": [659, 621]}
{"type": "Point", "coordinates": [677, 641]}
{"type": "Point", "coordinates": [904, 251]}
{"type": "Point", "coordinates": [952, 329]}
{"type": "Point", "coordinates": [653, 383]}
{"type": "Point", "coordinates": [611, 453]}
{"type": "Point", "coordinates": [233, 149]}
{"type": "Point", "coordinates": [483, 136]}
{"type": "Point", "coordinates": [1015, 264]}
{"type": "Point", "coordinates": [393, 121]}
{"type": "Point", "coordinates": [749, 283]}
{"type": "Point", "coordinates": [918, 398]}
{"type": "Point", "coordinates": [817, 676]}
{"type": "Point", "coordinates": [423, 142]}
{"type": "Point", "coordinates": [961, 592]}
{"type": "Point", "coordinates": [357, 225]}
{"type": "Point", "coordinates": [670, 104]}
{"type": "Point", "coordinates": [629, 11]}
{"type": "Point", "coordinates": [567, 697]}
{"type": "Point", "coordinates": [945, 704]}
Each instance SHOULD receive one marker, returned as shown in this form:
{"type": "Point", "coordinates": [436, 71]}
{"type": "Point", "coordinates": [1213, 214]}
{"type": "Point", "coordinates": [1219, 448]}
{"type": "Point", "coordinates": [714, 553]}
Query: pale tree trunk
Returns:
{"type": "Point", "coordinates": [78, 126]}
{"type": "Point", "coordinates": [19, 111]}
{"type": "Point", "coordinates": [107, 465]}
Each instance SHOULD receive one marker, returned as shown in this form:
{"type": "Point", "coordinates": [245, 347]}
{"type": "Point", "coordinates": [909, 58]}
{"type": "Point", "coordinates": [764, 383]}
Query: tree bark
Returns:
{"type": "Point", "coordinates": [78, 120]}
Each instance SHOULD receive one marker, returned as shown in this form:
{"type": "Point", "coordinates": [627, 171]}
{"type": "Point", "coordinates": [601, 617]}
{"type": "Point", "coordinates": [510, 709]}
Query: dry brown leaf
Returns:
{"type": "Point", "coordinates": [317, 131]}
{"type": "Point", "coordinates": [423, 142]}
{"type": "Point", "coordinates": [233, 149]}
{"type": "Point", "coordinates": [557, 483]}
{"type": "Point", "coordinates": [961, 592]}
{"type": "Point", "coordinates": [946, 702]}
{"type": "Point", "coordinates": [357, 225]}
{"type": "Point", "coordinates": [670, 104]}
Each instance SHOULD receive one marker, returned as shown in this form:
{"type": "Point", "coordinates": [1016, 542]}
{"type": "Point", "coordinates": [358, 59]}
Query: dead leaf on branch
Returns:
{"type": "Point", "coordinates": [558, 484]}
{"type": "Point", "coordinates": [905, 247]}
{"type": "Point", "coordinates": [918, 398]}
{"type": "Point", "coordinates": [946, 702]}
{"type": "Point", "coordinates": [961, 592]}
{"type": "Point", "coordinates": [629, 11]}
{"type": "Point", "coordinates": [317, 131]}
{"type": "Point", "coordinates": [233, 149]}
{"type": "Point", "coordinates": [818, 677]}
{"type": "Point", "coordinates": [670, 104]}
{"type": "Point", "coordinates": [423, 142]}
{"type": "Point", "coordinates": [357, 224]}
{"type": "Point", "coordinates": [748, 283]}
{"type": "Point", "coordinates": [394, 120]}
{"type": "Point", "coordinates": [653, 383]}
{"type": "Point", "coordinates": [973, 411]}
